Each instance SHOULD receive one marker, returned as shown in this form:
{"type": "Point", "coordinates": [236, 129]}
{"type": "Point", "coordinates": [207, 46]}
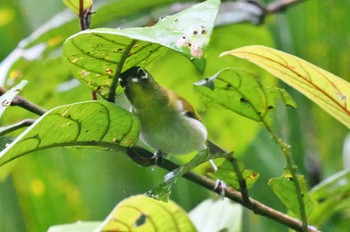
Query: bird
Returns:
{"type": "Point", "coordinates": [169, 123]}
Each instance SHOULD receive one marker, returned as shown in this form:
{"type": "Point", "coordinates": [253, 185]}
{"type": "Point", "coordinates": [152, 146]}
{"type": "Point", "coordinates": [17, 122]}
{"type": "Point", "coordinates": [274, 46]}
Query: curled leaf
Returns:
{"type": "Point", "coordinates": [328, 91]}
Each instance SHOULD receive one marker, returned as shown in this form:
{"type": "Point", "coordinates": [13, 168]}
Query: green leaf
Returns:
{"type": "Point", "coordinates": [38, 57]}
{"type": "Point", "coordinates": [226, 173]}
{"type": "Point", "coordinates": [284, 188]}
{"type": "Point", "coordinates": [92, 123]}
{"type": "Point", "coordinates": [76, 227]}
{"type": "Point", "coordinates": [98, 56]}
{"type": "Point", "coordinates": [217, 215]}
{"type": "Point", "coordinates": [328, 91]}
{"type": "Point", "coordinates": [332, 195]}
{"type": "Point", "coordinates": [241, 93]}
{"type": "Point", "coordinates": [141, 213]}
{"type": "Point", "coordinates": [74, 5]}
{"type": "Point", "coordinates": [7, 98]}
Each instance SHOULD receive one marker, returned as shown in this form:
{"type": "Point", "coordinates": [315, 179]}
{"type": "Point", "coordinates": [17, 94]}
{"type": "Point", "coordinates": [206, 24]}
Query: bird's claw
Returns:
{"type": "Point", "coordinates": [220, 185]}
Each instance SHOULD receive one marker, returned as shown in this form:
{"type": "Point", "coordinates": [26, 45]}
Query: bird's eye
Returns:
{"type": "Point", "coordinates": [142, 74]}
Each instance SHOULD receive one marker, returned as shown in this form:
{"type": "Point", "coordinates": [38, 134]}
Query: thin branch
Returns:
{"type": "Point", "coordinates": [241, 180]}
{"type": "Point", "coordinates": [24, 123]}
{"type": "Point", "coordinates": [281, 5]}
{"type": "Point", "coordinates": [84, 16]}
{"type": "Point", "coordinates": [21, 102]}
{"type": "Point", "coordinates": [144, 158]}
{"type": "Point", "coordinates": [111, 96]}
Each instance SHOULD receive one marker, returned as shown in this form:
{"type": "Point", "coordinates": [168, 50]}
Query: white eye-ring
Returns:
{"type": "Point", "coordinates": [143, 73]}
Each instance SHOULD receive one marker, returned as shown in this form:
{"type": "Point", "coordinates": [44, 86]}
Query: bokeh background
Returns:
{"type": "Point", "coordinates": [63, 185]}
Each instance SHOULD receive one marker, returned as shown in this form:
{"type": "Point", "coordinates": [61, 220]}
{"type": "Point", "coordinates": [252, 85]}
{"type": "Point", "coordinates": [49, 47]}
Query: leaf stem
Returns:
{"type": "Point", "coordinates": [285, 149]}
{"type": "Point", "coordinates": [24, 123]}
{"type": "Point", "coordinates": [241, 180]}
{"type": "Point", "coordinates": [21, 102]}
{"type": "Point", "coordinates": [111, 96]}
{"type": "Point", "coordinates": [84, 16]}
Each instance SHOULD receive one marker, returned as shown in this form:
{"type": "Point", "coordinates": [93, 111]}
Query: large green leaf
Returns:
{"type": "Point", "coordinates": [92, 123]}
{"type": "Point", "coordinates": [97, 57]}
{"type": "Point", "coordinates": [38, 57]}
{"type": "Point", "coordinates": [241, 93]}
{"type": "Point", "coordinates": [141, 213]}
{"type": "Point", "coordinates": [284, 188]}
{"type": "Point", "coordinates": [328, 91]}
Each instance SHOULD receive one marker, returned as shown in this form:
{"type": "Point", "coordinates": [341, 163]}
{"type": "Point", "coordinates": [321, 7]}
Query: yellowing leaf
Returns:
{"type": "Point", "coordinates": [75, 6]}
{"type": "Point", "coordinates": [141, 213]}
{"type": "Point", "coordinates": [328, 91]}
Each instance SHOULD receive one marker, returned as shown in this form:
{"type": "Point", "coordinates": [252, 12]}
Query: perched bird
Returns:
{"type": "Point", "coordinates": [169, 123]}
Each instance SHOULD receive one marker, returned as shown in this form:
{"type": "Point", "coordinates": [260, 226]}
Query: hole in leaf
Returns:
{"type": "Point", "coordinates": [243, 100]}
{"type": "Point", "coordinates": [141, 220]}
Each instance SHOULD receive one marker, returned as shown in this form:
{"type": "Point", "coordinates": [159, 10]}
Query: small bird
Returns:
{"type": "Point", "coordinates": [169, 124]}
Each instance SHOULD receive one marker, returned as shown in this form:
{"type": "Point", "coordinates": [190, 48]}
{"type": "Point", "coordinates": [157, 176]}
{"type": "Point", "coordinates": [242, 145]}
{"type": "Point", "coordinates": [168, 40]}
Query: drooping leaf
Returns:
{"type": "Point", "coordinates": [6, 99]}
{"type": "Point", "coordinates": [74, 5]}
{"type": "Point", "coordinates": [284, 188]}
{"type": "Point", "coordinates": [241, 93]}
{"type": "Point", "coordinates": [328, 91]}
{"type": "Point", "coordinates": [332, 196]}
{"type": "Point", "coordinates": [92, 123]}
{"type": "Point", "coordinates": [226, 173]}
{"type": "Point", "coordinates": [76, 227]}
{"type": "Point", "coordinates": [38, 57]}
{"type": "Point", "coordinates": [163, 191]}
{"type": "Point", "coordinates": [141, 213]}
{"type": "Point", "coordinates": [217, 215]}
{"type": "Point", "coordinates": [97, 56]}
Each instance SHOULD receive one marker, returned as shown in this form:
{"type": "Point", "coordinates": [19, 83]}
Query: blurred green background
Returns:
{"type": "Point", "coordinates": [64, 185]}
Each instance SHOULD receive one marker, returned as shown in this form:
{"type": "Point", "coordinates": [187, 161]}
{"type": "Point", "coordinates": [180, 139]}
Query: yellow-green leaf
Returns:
{"type": "Point", "coordinates": [74, 5]}
{"type": "Point", "coordinates": [91, 123]}
{"type": "Point", "coordinates": [96, 57]}
{"type": "Point", "coordinates": [141, 213]}
{"type": "Point", "coordinates": [328, 91]}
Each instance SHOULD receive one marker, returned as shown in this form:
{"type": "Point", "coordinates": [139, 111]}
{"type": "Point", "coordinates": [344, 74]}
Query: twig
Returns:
{"type": "Point", "coordinates": [24, 123]}
{"type": "Point", "coordinates": [111, 96]}
{"type": "Point", "coordinates": [84, 16]}
{"type": "Point", "coordinates": [281, 5]}
{"type": "Point", "coordinates": [144, 158]}
{"type": "Point", "coordinates": [21, 102]}
{"type": "Point", "coordinates": [241, 180]}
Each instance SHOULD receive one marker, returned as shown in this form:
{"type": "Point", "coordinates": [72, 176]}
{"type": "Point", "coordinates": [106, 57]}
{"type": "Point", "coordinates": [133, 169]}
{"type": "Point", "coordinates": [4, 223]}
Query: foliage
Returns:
{"type": "Point", "coordinates": [178, 50]}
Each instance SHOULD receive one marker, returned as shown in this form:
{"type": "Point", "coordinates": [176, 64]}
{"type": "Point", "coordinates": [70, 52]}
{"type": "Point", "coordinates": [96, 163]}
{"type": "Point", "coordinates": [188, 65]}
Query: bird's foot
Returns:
{"type": "Point", "coordinates": [221, 187]}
